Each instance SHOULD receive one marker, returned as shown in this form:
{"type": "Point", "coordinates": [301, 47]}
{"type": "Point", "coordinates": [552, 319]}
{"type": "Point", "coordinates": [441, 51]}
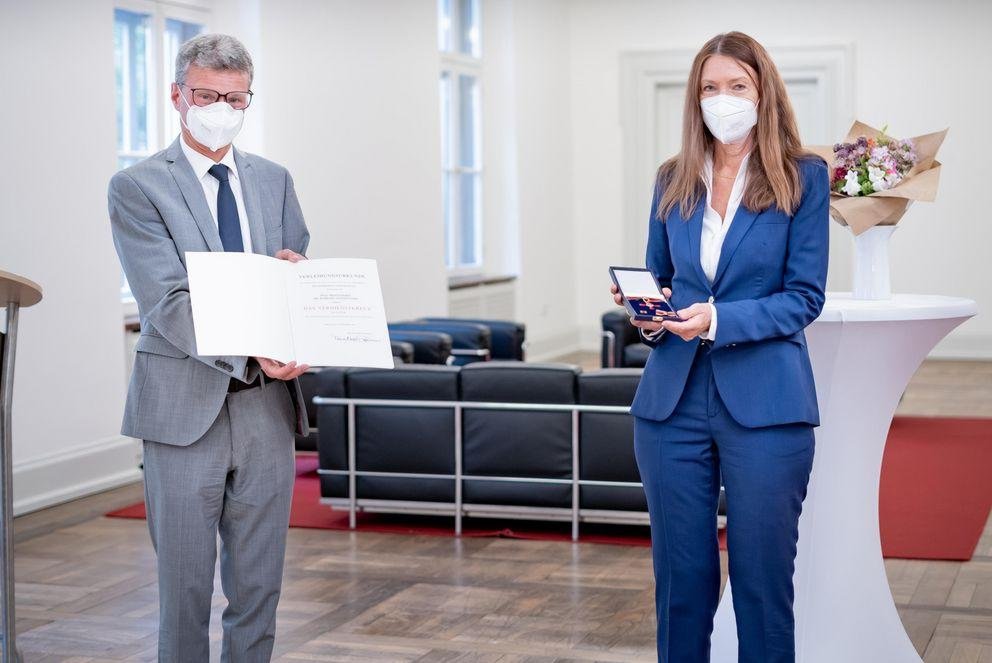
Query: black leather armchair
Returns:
{"type": "Point", "coordinates": [622, 346]}
{"type": "Point", "coordinates": [403, 350]}
{"type": "Point", "coordinates": [470, 342]}
{"type": "Point", "coordinates": [508, 337]}
{"type": "Point", "coordinates": [429, 347]}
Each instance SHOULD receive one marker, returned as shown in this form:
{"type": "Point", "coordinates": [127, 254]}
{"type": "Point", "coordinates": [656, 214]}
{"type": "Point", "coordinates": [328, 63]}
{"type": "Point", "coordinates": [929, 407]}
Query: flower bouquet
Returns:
{"type": "Point", "coordinates": [873, 180]}
{"type": "Point", "coordinates": [875, 177]}
{"type": "Point", "coordinates": [870, 164]}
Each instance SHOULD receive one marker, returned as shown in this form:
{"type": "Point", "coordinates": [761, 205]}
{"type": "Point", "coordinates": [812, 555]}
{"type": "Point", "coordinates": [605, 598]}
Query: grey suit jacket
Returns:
{"type": "Point", "coordinates": [158, 212]}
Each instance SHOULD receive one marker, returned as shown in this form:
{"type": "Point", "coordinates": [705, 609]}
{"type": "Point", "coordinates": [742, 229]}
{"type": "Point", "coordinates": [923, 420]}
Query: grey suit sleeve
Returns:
{"type": "Point", "coordinates": [157, 275]}
{"type": "Point", "coordinates": [295, 235]}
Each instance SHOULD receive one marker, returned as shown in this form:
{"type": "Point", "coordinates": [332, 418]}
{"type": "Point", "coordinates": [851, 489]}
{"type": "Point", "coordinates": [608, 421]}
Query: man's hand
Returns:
{"type": "Point", "coordinates": [292, 256]}
{"type": "Point", "coordinates": [280, 371]}
{"type": "Point", "coordinates": [697, 321]}
{"type": "Point", "coordinates": [276, 369]}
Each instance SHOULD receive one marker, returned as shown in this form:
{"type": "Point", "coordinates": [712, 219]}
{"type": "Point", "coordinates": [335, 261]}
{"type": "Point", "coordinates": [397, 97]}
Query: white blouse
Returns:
{"type": "Point", "coordinates": [714, 232]}
{"type": "Point", "coordinates": [714, 227]}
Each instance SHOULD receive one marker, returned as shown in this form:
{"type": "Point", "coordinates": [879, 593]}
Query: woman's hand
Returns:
{"type": "Point", "coordinates": [615, 291]}
{"type": "Point", "coordinates": [697, 321]}
{"type": "Point", "coordinates": [646, 325]}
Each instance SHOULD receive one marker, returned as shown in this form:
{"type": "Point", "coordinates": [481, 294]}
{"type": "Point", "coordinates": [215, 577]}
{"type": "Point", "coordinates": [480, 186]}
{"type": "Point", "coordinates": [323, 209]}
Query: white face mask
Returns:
{"type": "Point", "coordinates": [729, 118]}
{"type": "Point", "coordinates": [213, 126]}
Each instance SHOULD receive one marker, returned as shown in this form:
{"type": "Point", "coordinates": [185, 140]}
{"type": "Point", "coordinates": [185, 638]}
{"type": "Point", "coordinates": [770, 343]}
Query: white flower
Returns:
{"type": "Point", "coordinates": [877, 178]}
{"type": "Point", "coordinates": [880, 153]}
{"type": "Point", "coordinates": [851, 185]}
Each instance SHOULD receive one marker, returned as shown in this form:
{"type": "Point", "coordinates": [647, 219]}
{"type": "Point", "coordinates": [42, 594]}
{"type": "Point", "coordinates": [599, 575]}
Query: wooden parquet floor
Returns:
{"type": "Point", "coordinates": [86, 587]}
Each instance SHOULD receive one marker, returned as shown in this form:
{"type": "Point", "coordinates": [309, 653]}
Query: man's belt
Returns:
{"type": "Point", "coordinates": [237, 385]}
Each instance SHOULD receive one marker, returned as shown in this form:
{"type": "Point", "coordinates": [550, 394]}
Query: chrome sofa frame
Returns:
{"type": "Point", "coordinates": [459, 509]}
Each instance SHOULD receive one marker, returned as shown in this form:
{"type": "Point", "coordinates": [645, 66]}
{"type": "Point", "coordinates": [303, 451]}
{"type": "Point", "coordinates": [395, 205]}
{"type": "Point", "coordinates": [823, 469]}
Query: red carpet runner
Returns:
{"type": "Point", "coordinates": [935, 498]}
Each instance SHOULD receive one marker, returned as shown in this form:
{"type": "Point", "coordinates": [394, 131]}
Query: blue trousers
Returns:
{"type": "Point", "coordinates": [765, 472]}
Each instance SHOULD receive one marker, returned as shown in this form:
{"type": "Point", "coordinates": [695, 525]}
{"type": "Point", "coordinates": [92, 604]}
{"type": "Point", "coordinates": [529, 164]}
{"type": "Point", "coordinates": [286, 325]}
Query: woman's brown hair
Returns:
{"type": "Point", "coordinates": [772, 173]}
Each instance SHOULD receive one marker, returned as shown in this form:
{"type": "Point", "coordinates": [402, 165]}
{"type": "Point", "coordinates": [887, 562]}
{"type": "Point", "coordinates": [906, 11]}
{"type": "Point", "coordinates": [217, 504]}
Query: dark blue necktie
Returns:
{"type": "Point", "coordinates": [227, 210]}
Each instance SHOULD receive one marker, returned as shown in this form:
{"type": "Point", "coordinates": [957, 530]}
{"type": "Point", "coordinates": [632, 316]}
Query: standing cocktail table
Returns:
{"type": "Point", "coordinates": [864, 354]}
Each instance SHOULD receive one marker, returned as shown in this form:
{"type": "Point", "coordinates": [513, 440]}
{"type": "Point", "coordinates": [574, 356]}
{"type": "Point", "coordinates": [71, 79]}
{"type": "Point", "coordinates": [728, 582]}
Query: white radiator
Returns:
{"type": "Point", "coordinates": [130, 341]}
{"type": "Point", "coordinates": [497, 301]}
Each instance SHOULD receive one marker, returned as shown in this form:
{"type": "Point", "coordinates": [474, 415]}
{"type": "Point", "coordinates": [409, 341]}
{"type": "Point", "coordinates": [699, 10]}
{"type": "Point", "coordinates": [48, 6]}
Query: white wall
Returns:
{"type": "Point", "coordinates": [544, 171]}
{"type": "Point", "coordinates": [57, 144]}
{"type": "Point", "coordinates": [242, 18]}
{"type": "Point", "coordinates": [919, 67]}
{"type": "Point", "coordinates": [352, 109]}
{"type": "Point", "coordinates": [500, 179]}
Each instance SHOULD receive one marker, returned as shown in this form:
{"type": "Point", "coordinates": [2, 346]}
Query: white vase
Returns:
{"type": "Point", "coordinates": [871, 263]}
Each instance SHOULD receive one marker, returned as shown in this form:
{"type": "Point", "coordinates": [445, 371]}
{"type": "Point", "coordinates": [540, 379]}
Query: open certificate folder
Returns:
{"type": "Point", "coordinates": [326, 312]}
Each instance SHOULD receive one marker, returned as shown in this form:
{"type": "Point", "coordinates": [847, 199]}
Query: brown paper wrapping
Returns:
{"type": "Point", "coordinates": [886, 207]}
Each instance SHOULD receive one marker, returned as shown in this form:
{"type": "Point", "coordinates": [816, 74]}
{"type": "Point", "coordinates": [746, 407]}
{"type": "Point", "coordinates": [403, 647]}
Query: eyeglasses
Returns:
{"type": "Point", "coordinates": [204, 97]}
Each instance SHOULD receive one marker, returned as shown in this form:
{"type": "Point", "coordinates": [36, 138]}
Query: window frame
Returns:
{"type": "Point", "coordinates": [160, 76]}
{"type": "Point", "coordinates": [162, 73]}
{"type": "Point", "coordinates": [454, 64]}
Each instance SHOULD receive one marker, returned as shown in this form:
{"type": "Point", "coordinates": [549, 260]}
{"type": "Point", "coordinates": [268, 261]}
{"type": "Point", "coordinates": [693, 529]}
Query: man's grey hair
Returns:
{"type": "Point", "coordinates": [217, 52]}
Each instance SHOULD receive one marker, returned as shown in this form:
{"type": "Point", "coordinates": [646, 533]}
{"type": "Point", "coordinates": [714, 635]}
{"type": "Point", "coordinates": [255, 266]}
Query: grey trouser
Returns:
{"type": "Point", "coordinates": [236, 480]}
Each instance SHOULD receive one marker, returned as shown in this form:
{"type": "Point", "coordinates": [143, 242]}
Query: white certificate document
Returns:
{"type": "Point", "coordinates": [325, 312]}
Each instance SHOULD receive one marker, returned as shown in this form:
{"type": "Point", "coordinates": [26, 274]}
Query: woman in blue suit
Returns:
{"type": "Point", "coordinates": [739, 233]}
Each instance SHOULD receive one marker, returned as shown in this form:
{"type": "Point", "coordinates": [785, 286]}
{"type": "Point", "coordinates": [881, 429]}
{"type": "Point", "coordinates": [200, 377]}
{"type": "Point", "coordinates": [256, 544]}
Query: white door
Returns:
{"type": "Point", "coordinates": [654, 96]}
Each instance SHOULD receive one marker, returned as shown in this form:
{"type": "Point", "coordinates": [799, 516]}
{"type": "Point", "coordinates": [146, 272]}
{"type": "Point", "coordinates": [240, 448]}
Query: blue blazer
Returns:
{"type": "Point", "coordinates": [769, 286]}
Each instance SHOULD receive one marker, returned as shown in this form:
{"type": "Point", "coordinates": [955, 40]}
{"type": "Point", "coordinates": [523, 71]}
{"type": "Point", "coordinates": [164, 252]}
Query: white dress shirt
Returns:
{"type": "Point", "coordinates": [201, 165]}
{"type": "Point", "coordinates": [715, 230]}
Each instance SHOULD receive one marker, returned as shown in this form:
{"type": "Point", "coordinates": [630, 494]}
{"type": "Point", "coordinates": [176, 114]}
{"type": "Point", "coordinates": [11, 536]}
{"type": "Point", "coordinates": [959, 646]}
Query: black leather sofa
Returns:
{"type": "Point", "coordinates": [538, 441]}
{"type": "Point", "coordinates": [434, 340]}
{"type": "Point", "coordinates": [325, 381]}
{"type": "Point", "coordinates": [607, 440]}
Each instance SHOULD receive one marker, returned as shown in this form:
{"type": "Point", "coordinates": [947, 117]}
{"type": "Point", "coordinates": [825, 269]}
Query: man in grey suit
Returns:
{"type": "Point", "coordinates": [217, 431]}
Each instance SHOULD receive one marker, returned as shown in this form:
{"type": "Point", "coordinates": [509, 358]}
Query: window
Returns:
{"type": "Point", "coordinates": [461, 144]}
{"type": "Point", "coordinates": [147, 37]}
{"type": "Point", "coordinates": [132, 46]}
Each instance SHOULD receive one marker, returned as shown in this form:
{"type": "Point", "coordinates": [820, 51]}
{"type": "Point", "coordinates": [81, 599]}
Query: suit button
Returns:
{"type": "Point", "coordinates": [733, 345]}
{"type": "Point", "coordinates": [224, 365]}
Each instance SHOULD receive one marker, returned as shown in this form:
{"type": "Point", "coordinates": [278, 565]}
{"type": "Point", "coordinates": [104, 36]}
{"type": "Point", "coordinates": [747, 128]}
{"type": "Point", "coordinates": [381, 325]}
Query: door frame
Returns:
{"type": "Point", "coordinates": [641, 71]}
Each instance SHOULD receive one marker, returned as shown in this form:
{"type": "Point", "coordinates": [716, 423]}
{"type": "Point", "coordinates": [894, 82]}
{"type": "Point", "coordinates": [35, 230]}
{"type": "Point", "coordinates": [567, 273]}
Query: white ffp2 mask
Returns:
{"type": "Point", "coordinates": [729, 118]}
{"type": "Point", "coordinates": [213, 126]}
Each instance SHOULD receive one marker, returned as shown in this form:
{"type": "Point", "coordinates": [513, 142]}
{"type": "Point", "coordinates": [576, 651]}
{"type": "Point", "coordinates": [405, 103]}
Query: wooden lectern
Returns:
{"type": "Point", "coordinates": [15, 292]}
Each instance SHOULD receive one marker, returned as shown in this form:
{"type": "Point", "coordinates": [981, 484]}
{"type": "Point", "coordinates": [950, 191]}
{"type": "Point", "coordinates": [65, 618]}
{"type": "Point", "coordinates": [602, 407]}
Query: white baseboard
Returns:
{"type": "Point", "coordinates": [77, 472]}
{"type": "Point", "coordinates": [551, 347]}
{"type": "Point", "coordinates": [591, 339]}
{"type": "Point", "coordinates": [964, 346]}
